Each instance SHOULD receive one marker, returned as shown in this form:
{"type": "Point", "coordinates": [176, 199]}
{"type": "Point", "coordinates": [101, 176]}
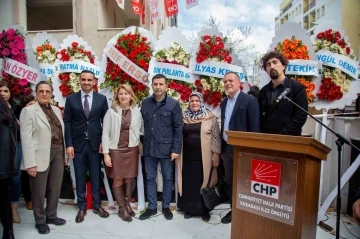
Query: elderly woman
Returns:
{"type": "Point", "coordinates": [201, 151]}
{"type": "Point", "coordinates": [7, 166]}
{"type": "Point", "coordinates": [15, 186]}
{"type": "Point", "coordinates": [120, 140]}
{"type": "Point", "coordinates": [42, 138]}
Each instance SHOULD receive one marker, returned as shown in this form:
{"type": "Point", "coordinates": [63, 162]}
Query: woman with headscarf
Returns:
{"type": "Point", "coordinates": [201, 151]}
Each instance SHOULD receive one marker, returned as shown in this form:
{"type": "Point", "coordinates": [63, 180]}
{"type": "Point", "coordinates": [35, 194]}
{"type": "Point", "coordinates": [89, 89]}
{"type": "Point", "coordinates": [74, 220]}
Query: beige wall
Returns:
{"type": "Point", "coordinates": [351, 23]}
{"type": "Point", "coordinates": [97, 21]}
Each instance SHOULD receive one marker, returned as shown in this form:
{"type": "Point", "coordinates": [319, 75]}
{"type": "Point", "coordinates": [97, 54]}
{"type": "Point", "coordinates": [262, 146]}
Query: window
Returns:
{"type": "Point", "coordinates": [323, 10]}
{"type": "Point", "coordinates": [49, 15]}
{"type": "Point", "coordinates": [300, 9]}
{"type": "Point", "coordinates": [296, 11]}
{"type": "Point", "coordinates": [292, 13]}
{"type": "Point", "coordinates": [317, 14]}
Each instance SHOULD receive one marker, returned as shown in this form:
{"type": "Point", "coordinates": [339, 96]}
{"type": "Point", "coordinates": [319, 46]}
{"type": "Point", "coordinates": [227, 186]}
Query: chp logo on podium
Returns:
{"type": "Point", "coordinates": [265, 178]}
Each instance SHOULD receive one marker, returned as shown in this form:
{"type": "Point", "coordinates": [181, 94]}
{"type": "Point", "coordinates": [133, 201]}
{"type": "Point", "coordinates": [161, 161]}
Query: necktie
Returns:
{"type": "Point", "coordinates": [86, 106]}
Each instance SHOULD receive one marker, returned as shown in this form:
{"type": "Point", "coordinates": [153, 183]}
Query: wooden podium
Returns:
{"type": "Point", "coordinates": [275, 185]}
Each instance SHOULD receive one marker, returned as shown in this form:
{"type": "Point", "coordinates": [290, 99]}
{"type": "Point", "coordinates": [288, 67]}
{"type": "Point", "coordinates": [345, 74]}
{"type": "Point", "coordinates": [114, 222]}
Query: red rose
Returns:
{"type": "Point", "coordinates": [74, 44]}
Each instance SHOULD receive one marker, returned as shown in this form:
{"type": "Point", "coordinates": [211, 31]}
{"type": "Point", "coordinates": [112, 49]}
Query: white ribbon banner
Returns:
{"type": "Point", "coordinates": [47, 69]}
{"type": "Point", "coordinates": [302, 67]}
{"type": "Point", "coordinates": [126, 65]}
{"type": "Point", "coordinates": [21, 71]}
{"type": "Point", "coordinates": [171, 71]}
{"type": "Point", "coordinates": [191, 3]}
{"type": "Point", "coordinates": [217, 69]}
{"type": "Point", "coordinates": [77, 66]}
{"type": "Point", "coordinates": [154, 9]}
{"type": "Point", "coordinates": [338, 61]}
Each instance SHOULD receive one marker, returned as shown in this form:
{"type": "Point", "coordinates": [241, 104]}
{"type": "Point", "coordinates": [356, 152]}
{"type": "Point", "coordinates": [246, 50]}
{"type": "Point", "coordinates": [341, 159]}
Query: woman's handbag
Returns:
{"type": "Point", "coordinates": [215, 195]}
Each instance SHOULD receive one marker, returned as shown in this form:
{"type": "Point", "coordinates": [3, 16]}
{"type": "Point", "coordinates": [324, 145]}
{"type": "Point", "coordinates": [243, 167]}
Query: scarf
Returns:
{"type": "Point", "coordinates": [198, 116]}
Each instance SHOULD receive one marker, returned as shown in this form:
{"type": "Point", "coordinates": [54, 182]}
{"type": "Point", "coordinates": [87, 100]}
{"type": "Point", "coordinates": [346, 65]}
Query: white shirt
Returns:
{"type": "Point", "coordinates": [90, 98]}
{"type": "Point", "coordinates": [230, 104]}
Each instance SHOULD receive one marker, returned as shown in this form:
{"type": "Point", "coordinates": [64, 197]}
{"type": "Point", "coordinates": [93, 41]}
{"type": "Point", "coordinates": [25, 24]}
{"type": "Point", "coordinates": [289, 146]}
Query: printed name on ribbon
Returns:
{"type": "Point", "coordinates": [302, 67]}
{"type": "Point", "coordinates": [77, 66]}
{"type": "Point", "coordinates": [126, 65]}
{"type": "Point", "coordinates": [21, 71]}
{"type": "Point", "coordinates": [191, 3]}
{"type": "Point", "coordinates": [171, 71]}
{"type": "Point", "coordinates": [47, 69]}
{"type": "Point", "coordinates": [340, 62]}
{"type": "Point", "coordinates": [217, 69]}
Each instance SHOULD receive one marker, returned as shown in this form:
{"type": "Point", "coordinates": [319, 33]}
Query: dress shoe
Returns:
{"type": "Point", "coordinates": [148, 213]}
{"type": "Point", "coordinates": [56, 221]}
{"type": "Point", "coordinates": [187, 216]}
{"type": "Point", "coordinates": [101, 212]}
{"type": "Point", "coordinates": [80, 216]}
{"type": "Point", "coordinates": [42, 228]}
{"type": "Point", "coordinates": [227, 218]}
{"type": "Point", "coordinates": [29, 205]}
{"type": "Point", "coordinates": [205, 217]}
{"type": "Point", "coordinates": [15, 213]}
{"type": "Point", "coordinates": [167, 213]}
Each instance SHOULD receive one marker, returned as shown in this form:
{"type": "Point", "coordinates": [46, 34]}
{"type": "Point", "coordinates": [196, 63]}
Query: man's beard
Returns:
{"type": "Point", "coordinates": [274, 74]}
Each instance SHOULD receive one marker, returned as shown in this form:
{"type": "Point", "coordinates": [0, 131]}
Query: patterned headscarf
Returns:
{"type": "Point", "coordinates": [200, 115]}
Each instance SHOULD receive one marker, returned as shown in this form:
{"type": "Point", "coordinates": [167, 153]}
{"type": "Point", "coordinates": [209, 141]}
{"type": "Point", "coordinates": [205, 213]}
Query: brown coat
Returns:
{"type": "Point", "coordinates": [210, 144]}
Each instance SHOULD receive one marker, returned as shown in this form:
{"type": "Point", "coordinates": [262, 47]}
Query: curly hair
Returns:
{"type": "Point", "coordinates": [273, 54]}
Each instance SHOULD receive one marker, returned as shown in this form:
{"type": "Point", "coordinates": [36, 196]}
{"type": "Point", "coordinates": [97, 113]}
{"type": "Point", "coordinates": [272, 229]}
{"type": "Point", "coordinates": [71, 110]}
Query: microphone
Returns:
{"type": "Point", "coordinates": [282, 95]}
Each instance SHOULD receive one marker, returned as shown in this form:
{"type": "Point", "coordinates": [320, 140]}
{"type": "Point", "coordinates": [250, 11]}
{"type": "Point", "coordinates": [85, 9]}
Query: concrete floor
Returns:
{"type": "Point", "coordinates": [157, 227]}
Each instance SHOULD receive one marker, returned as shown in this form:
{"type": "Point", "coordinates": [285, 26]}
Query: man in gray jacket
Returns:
{"type": "Point", "coordinates": [163, 122]}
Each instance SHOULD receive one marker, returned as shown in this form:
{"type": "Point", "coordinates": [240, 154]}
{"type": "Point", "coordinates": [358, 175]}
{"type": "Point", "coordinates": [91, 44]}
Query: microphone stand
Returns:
{"type": "Point", "coordinates": [339, 143]}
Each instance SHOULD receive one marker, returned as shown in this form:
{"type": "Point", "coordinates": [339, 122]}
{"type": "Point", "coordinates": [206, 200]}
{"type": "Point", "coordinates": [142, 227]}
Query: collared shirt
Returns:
{"type": "Point", "coordinates": [90, 98]}
{"type": "Point", "coordinates": [230, 104]}
{"type": "Point", "coordinates": [275, 90]}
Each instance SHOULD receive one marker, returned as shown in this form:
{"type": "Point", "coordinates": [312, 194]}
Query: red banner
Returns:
{"type": "Point", "coordinates": [171, 7]}
{"type": "Point", "coordinates": [137, 6]}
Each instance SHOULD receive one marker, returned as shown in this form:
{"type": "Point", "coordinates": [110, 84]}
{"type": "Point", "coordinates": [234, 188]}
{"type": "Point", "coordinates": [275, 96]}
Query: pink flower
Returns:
{"type": "Point", "coordinates": [10, 31]}
{"type": "Point", "coordinates": [2, 44]}
{"type": "Point", "coordinates": [12, 45]}
{"type": "Point", "coordinates": [15, 51]}
{"type": "Point", "coordinates": [18, 39]}
{"type": "Point", "coordinates": [27, 91]}
{"type": "Point", "coordinates": [23, 82]}
{"type": "Point", "coordinates": [6, 52]}
{"type": "Point", "coordinates": [10, 37]}
{"type": "Point", "coordinates": [20, 46]}
{"type": "Point", "coordinates": [2, 34]}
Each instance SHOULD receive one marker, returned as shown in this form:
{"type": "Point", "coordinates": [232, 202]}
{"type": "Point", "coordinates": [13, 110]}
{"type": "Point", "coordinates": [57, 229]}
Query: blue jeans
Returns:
{"type": "Point", "coordinates": [15, 186]}
{"type": "Point", "coordinates": [167, 168]}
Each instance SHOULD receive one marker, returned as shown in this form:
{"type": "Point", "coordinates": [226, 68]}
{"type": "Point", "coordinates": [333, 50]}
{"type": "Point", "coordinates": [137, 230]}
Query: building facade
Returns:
{"type": "Point", "coordinates": [97, 21]}
{"type": "Point", "coordinates": [310, 13]}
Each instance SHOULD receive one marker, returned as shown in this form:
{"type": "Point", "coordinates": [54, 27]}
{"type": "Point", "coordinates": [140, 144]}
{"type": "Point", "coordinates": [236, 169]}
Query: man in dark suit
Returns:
{"type": "Point", "coordinates": [281, 117]}
{"type": "Point", "coordinates": [84, 112]}
{"type": "Point", "coordinates": [239, 112]}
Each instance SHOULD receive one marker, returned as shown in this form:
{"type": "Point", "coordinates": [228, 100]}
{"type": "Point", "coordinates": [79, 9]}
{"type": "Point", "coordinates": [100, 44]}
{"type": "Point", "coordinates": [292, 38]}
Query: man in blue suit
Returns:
{"type": "Point", "coordinates": [239, 112]}
{"type": "Point", "coordinates": [84, 112]}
